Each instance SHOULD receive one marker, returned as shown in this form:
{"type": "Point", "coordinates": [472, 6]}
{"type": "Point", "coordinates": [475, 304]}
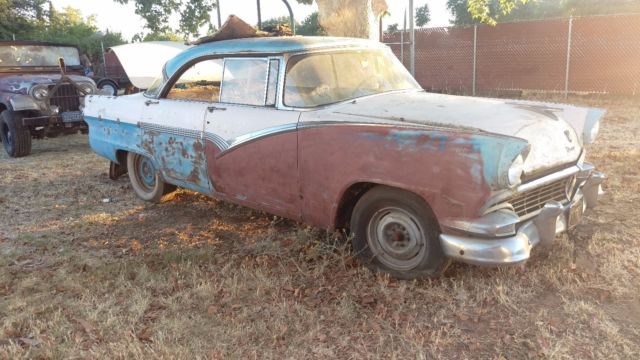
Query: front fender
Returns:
{"type": "Point", "coordinates": [19, 102]}
{"type": "Point", "coordinates": [454, 171]}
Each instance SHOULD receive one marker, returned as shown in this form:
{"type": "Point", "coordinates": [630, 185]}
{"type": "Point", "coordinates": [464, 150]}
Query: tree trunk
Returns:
{"type": "Point", "coordinates": [351, 18]}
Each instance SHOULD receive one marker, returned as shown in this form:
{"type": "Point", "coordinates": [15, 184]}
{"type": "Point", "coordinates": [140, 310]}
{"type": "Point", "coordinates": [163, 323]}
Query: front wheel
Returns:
{"type": "Point", "coordinates": [145, 178]}
{"type": "Point", "coordinates": [396, 232]}
{"type": "Point", "coordinates": [15, 137]}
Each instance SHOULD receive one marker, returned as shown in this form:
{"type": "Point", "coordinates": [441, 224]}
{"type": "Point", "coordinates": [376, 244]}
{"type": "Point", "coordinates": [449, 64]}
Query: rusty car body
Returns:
{"type": "Point", "coordinates": [334, 132]}
{"type": "Point", "coordinates": [42, 87]}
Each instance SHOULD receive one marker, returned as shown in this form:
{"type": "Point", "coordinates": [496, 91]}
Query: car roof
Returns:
{"type": "Point", "coordinates": [266, 45]}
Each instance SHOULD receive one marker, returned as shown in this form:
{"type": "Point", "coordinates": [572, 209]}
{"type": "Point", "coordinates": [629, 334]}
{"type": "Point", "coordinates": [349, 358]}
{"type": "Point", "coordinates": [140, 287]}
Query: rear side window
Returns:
{"type": "Point", "coordinates": [200, 82]}
{"type": "Point", "coordinates": [249, 81]}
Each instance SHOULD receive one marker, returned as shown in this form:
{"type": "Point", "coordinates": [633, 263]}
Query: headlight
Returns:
{"type": "Point", "coordinates": [88, 89]}
{"type": "Point", "coordinates": [40, 92]}
{"type": "Point", "coordinates": [516, 169]}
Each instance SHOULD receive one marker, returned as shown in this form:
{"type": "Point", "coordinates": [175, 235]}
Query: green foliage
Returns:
{"type": "Point", "coordinates": [492, 11]}
{"type": "Point", "coordinates": [19, 17]}
{"type": "Point", "coordinates": [165, 36]}
{"type": "Point", "coordinates": [309, 26]}
{"type": "Point", "coordinates": [423, 16]}
{"type": "Point", "coordinates": [393, 27]}
{"type": "Point", "coordinates": [31, 21]}
{"type": "Point", "coordinates": [194, 14]}
{"type": "Point", "coordinates": [274, 22]}
{"type": "Point", "coordinates": [489, 11]}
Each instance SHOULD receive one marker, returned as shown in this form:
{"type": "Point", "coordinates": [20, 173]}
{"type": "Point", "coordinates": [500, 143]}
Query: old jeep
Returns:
{"type": "Point", "coordinates": [42, 89]}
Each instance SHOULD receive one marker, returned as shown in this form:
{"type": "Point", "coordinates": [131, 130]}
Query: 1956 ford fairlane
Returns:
{"type": "Point", "coordinates": [336, 133]}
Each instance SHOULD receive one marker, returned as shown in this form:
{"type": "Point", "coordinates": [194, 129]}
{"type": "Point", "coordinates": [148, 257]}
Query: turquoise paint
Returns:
{"type": "Point", "coordinates": [492, 154]}
{"type": "Point", "coordinates": [175, 156]}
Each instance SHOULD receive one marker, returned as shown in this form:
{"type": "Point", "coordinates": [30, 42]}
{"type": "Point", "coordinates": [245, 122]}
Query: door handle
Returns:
{"type": "Point", "coordinates": [215, 108]}
{"type": "Point", "coordinates": [149, 102]}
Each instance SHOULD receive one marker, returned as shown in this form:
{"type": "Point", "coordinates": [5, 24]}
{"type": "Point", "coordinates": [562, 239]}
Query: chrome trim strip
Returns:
{"type": "Point", "coordinates": [258, 135]}
{"type": "Point", "coordinates": [188, 133]}
{"type": "Point", "coordinates": [548, 179]}
{"type": "Point", "coordinates": [221, 143]}
{"type": "Point", "coordinates": [194, 134]}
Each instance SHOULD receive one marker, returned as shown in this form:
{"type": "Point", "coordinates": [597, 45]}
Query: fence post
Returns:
{"type": "Point", "coordinates": [475, 57]}
{"type": "Point", "coordinates": [412, 39]}
{"type": "Point", "coordinates": [566, 76]}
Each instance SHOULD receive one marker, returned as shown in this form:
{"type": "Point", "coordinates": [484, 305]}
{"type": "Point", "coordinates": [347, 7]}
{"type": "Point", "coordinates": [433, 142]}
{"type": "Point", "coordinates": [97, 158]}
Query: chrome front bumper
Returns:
{"type": "Point", "coordinates": [555, 218]}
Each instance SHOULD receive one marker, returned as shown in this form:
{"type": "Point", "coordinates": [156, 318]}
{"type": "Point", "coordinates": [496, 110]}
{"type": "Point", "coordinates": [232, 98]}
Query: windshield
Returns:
{"type": "Point", "coordinates": [326, 78]}
{"type": "Point", "coordinates": [37, 55]}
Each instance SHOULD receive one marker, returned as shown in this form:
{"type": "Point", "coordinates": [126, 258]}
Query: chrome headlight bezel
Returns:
{"type": "Point", "coordinates": [515, 171]}
{"type": "Point", "coordinates": [88, 88]}
{"type": "Point", "coordinates": [40, 92]}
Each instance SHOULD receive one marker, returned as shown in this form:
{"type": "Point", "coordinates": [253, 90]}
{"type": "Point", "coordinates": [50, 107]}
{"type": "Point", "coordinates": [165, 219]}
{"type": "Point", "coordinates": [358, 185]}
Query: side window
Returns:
{"type": "Point", "coordinates": [201, 82]}
{"type": "Point", "coordinates": [249, 81]}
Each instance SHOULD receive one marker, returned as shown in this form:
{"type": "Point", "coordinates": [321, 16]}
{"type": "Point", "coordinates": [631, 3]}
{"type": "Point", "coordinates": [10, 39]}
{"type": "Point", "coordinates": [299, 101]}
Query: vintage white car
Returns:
{"type": "Point", "coordinates": [335, 132]}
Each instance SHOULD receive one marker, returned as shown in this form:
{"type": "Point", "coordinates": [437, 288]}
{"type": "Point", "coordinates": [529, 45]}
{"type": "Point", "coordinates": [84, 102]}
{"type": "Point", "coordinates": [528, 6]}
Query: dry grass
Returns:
{"type": "Point", "coordinates": [83, 278]}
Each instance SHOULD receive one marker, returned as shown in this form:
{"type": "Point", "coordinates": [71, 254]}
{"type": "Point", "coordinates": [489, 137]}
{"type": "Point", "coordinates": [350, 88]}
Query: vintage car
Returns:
{"type": "Point", "coordinates": [42, 87]}
{"type": "Point", "coordinates": [133, 67]}
{"type": "Point", "coordinates": [336, 133]}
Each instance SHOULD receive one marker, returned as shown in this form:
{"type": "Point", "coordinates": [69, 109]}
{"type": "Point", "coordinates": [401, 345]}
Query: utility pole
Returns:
{"type": "Point", "coordinates": [412, 40]}
{"type": "Point", "coordinates": [219, 17]}
{"type": "Point", "coordinates": [259, 16]}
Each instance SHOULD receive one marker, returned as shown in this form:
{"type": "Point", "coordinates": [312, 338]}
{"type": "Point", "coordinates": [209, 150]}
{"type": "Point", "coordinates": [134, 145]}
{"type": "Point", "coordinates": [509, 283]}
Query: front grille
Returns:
{"type": "Point", "coordinates": [66, 98]}
{"type": "Point", "coordinates": [533, 200]}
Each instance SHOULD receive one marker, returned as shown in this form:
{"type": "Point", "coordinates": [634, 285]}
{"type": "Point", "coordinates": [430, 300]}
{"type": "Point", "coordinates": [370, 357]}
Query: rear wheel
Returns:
{"type": "Point", "coordinates": [108, 86]}
{"type": "Point", "coordinates": [16, 138]}
{"type": "Point", "coordinates": [145, 178]}
{"type": "Point", "coordinates": [396, 232]}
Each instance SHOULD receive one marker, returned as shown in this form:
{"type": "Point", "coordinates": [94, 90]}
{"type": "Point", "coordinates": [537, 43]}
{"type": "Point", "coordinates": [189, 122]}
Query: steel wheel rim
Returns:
{"type": "Point", "coordinates": [145, 173]}
{"type": "Point", "coordinates": [396, 238]}
{"type": "Point", "coordinates": [112, 90]}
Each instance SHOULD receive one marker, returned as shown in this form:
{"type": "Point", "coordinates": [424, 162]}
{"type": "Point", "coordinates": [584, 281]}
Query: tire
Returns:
{"type": "Point", "coordinates": [109, 85]}
{"type": "Point", "coordinates": [145, 179]}
{"type": "Point", "coordinates": [15, 137]}
{"type": "Point", "coordinates": [396, 232]}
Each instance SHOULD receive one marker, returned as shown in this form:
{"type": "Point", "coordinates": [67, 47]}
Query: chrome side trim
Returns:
{"type": "Point", "coordinates": [257, 135]}
{"type": "Point", "coordinates": [188, 133]}
{"type": "Point", "coordinates": [221, 143]}
{"type": "Point", "coordinates": [194, 134]}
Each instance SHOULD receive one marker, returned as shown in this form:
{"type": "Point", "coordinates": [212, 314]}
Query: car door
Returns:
{"type": "Point", "coordinates": [173, 124]}
{"type": "Point", "coordinates": [251, 145]}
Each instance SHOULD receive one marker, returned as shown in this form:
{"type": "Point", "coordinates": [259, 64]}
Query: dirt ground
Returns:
{"type": "Point", "coordinates": [89, 271]}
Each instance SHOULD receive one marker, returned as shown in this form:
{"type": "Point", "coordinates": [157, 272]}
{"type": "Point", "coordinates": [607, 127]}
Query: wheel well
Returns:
{"type": "Point", "coordinates": [348, 202]}
{"type": "Point", "coordinates": [121, 156]}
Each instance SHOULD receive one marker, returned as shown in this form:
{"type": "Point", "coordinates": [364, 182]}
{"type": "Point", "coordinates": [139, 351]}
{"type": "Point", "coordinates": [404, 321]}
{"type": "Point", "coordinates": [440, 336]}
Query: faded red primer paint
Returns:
{"type": "Point", "coordinates": [438, 168]}
{"type": "Point", "coordinates": [262, 174]}
{"type": "Point", "coordinates": [304, 176]}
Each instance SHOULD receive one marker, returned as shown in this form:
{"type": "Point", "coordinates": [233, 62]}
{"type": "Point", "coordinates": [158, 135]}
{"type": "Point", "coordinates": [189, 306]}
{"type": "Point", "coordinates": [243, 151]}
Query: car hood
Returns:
{"type": "Point", "coordinates": [553, 131]}
{"type": "Point", "coordinates": [21, 83]}
{"type": "Point", "coordinates": [143, 62]}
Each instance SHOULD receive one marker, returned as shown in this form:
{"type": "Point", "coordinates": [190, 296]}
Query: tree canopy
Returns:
{"type": "Point", "coordinates": [468, 12]}
{"type": "Point", "coordinates": [39, 20]}
{"type": "Point", "coordinates": [194, 14]}
{"type": "Point", "coordinates": [309, 26]}
{"type": "Point", "coordinates": [422, 15]}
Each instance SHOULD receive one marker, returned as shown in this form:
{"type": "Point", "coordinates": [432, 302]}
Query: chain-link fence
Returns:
{"type": "Point", "coordinates": [599, 54]}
